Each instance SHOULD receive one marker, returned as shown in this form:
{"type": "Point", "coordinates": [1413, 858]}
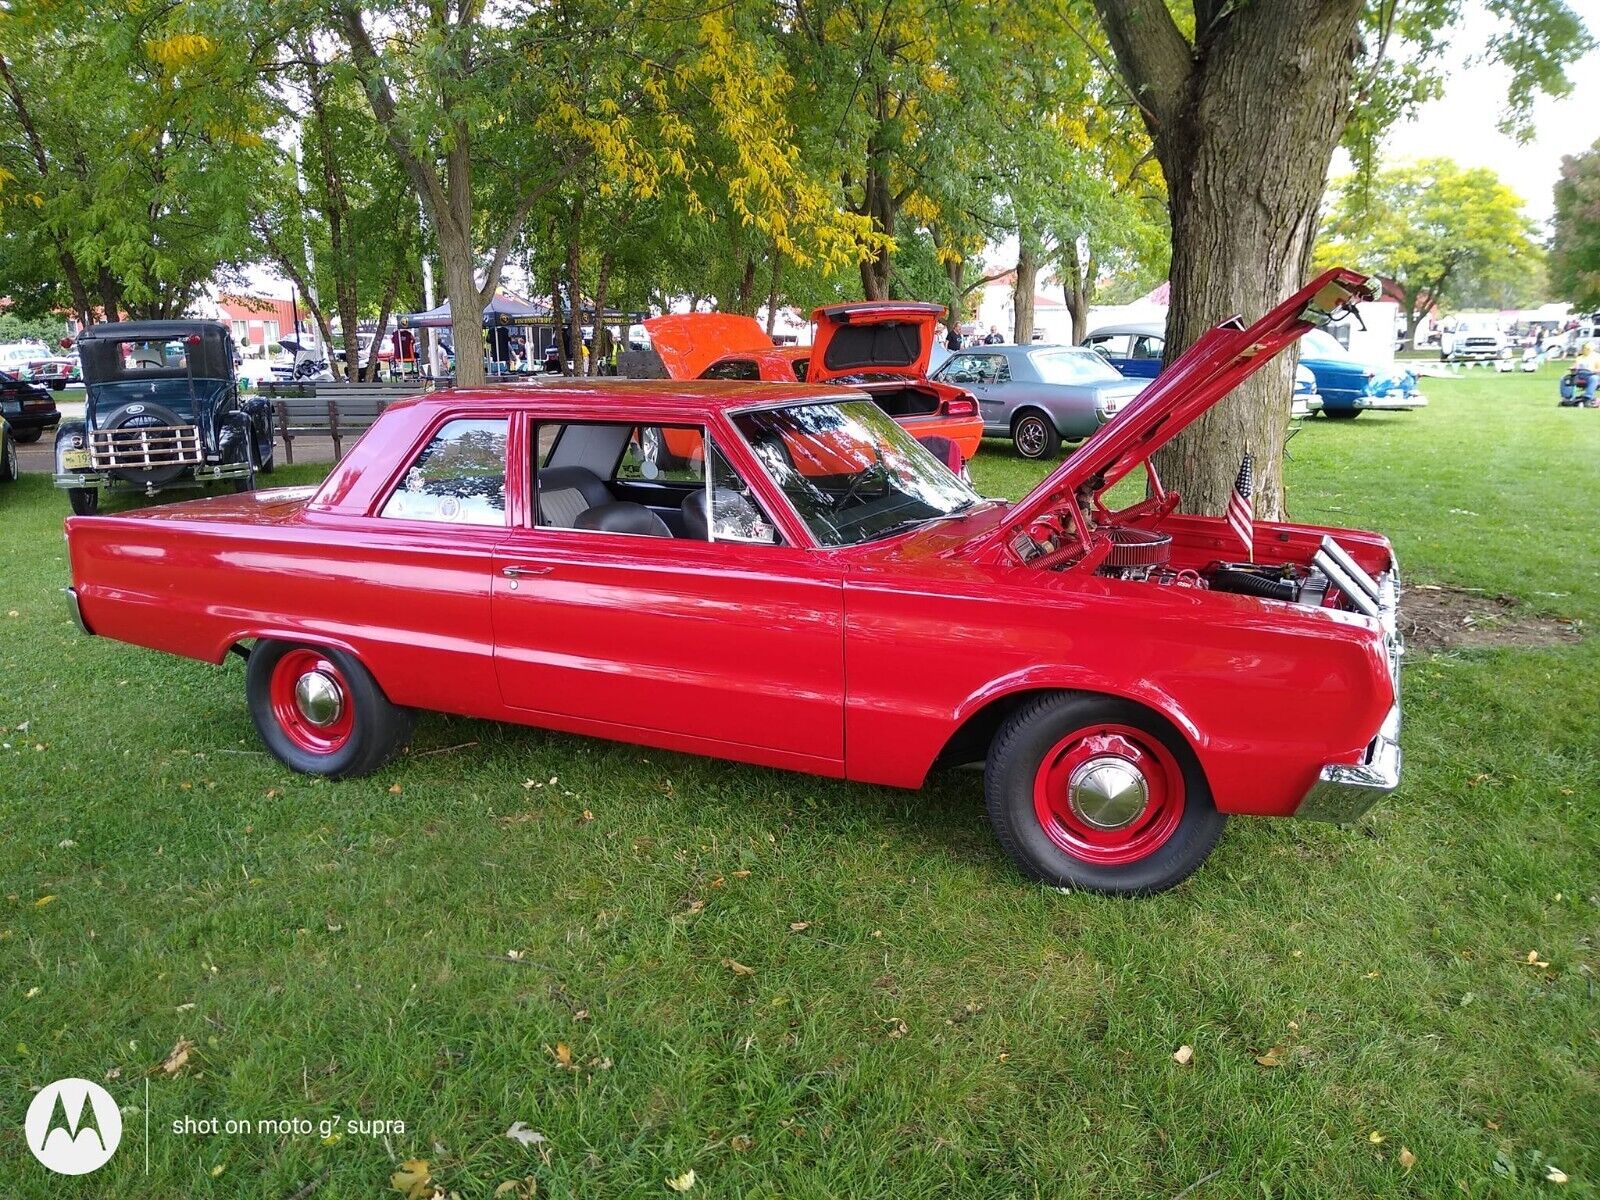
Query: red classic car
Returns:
{"type": "Point", "coordinates": [882, 347]}
{"type": "Point", "coordinates": [811, 590]}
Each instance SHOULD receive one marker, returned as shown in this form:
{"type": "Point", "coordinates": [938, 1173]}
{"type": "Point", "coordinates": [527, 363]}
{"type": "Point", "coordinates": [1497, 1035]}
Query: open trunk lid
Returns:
{"type": "Point", "coordinates": [1223, 357]}
{"type": "Point", "coordinates": [888, 338]}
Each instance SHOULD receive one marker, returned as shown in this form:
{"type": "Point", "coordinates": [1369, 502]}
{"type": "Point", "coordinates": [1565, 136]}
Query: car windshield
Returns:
{"type": "Point", "coordinates": [1319, 344]}
{"type": "Point", "coordinates": [1072, 366]}
{"type": "Point", "coordinates": [852, 473]}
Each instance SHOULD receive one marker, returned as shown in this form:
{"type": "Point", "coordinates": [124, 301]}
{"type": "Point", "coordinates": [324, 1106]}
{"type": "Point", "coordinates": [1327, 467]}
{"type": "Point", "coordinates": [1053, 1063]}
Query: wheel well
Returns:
{"type": "Point", "coordinates": [971, 740]}
{"type": "Point", "coordinates": [1031, 409]}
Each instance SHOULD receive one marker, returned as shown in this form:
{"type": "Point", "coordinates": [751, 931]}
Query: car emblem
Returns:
{"type": "Point", "coordinates": [135, 409]}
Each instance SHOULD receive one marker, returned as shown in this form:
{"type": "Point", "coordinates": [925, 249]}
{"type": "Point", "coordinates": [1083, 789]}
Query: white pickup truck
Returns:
{"type": "Point", "coordinates": [1474, 337]}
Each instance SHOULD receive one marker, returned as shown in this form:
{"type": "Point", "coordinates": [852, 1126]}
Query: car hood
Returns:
{"type": "Point", "coordinates": [1223, 358]}
{"type": "Point", "coordinates": [877, 337]}
{"type": "Point", "coordinates": [688, 343]}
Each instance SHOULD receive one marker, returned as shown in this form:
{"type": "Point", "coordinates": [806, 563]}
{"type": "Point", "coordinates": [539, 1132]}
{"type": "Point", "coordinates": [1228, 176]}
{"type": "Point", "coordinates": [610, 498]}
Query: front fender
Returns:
{"type": "Point", "coordinates": [70, 435]}
{"type": "Point", "coordinates": [1059, 678]}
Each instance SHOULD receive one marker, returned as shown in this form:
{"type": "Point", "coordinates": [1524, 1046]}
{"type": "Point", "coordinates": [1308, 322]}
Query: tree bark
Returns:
{"type": "Point", "coordinates": [773, 285]}
{"type": "Point", "coordinates": [1244, 124]}
{"type": "Point", "coordinates": [1077, 289]}
{"type": "Point", "coordinates": [575, 288]}
{"type": "Point", "coordinates": [1022, 291]}
{"type": "Point", "coordinates": [369, 372]}
{"type": "Point", "coordinates": [602, 332]}
{"type": "Point", "coordinates": [745, 301]}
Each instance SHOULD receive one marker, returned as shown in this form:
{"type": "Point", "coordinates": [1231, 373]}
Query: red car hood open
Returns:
{"type": "Point", "coordinates": [688, 343]}
{"type": "Point", "coordinates": [1224, 357]}
{"type": "Point", "coordinates": [872, 337]}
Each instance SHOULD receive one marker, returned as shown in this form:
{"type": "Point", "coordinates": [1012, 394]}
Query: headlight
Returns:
{"type": "Point", "coordinates": [75, 442]}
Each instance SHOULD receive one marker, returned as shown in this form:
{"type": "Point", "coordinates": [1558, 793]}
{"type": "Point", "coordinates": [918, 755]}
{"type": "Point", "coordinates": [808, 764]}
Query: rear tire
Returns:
{"type": "Point", "coordinates": [320, 711]}
{"type": "Point", "coordinates": [27, 437]}
{"type": "Point", "coordinates": [1035, 436]}
{"type": "Point", "coordinates": [1091, 792]}
{"type": "Point", "coordinates": [85, 501]}
{"type": "Point", "coordinates": [8, 459]}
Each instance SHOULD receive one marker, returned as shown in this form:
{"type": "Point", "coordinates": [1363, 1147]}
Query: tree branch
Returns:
{"type": "Point", "coordinates": [1155, 58]}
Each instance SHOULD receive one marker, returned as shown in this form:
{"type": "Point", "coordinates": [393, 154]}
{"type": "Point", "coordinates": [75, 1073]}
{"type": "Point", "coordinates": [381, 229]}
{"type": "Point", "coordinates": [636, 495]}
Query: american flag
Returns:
{"type": "Point", "coordinates": [1240, 515]}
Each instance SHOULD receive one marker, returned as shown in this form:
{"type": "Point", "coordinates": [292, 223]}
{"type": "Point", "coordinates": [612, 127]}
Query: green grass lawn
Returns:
{"type": "Point", "coordinates": [804, 988]}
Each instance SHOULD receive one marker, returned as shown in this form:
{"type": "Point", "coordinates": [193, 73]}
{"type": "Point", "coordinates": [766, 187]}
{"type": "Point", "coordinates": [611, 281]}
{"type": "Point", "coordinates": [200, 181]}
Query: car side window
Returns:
{"type": "Point", "coordinates": [732, 368]}
{"type": "Point", "coordinates": [736, 514]}
{"type": "Point", "coordinates": [1147, 347]}
{"type": "Point", "coordinates": [459, 477]}
{"type": "Point", "coordinates": [962, 368]}
{"type": "Point", "coordinates": [663, 453]}
{"type": "Point", "coordinates": [997, 369]}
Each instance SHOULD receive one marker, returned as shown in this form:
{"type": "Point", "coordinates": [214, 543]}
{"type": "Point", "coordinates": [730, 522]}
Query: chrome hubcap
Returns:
{"type": "Point", "coordinates": [1030, 436]}
{"type": "Point", "coordinates": [1108, 793]}
{"type": "Point", "coordinates": [317, 696]}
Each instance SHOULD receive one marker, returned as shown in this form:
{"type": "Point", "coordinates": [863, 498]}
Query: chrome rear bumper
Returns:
{"type": "Point", "coordinates": [77, 612]}
{"type": "Point", "coordinates": [1344, 791]}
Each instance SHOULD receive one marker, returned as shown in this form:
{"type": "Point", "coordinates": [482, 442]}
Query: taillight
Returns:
{"type": "Point", "coordinates": [961, 408]}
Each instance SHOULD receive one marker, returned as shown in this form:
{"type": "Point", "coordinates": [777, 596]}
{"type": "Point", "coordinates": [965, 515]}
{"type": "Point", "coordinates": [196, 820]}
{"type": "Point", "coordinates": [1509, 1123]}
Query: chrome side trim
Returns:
{"type": "Point", "coordinates": [77, 613]}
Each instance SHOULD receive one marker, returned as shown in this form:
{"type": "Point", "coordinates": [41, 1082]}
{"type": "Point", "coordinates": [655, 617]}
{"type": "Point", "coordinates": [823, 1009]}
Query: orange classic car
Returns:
{"type": "Point", "coordinates": [880, 347]}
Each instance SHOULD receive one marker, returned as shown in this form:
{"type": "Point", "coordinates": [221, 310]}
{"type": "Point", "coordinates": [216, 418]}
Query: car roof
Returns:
{"type": "Point", "coordinates": [1136, 328]}
{"type": "Point", "coordinates": [149, 331]}
{"type": "Point", "coordinates": [601, 395]}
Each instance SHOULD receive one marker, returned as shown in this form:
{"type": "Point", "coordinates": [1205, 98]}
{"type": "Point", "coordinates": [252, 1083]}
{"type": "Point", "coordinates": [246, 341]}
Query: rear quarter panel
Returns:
{"type": "Point", "coordinates": [413, 606]}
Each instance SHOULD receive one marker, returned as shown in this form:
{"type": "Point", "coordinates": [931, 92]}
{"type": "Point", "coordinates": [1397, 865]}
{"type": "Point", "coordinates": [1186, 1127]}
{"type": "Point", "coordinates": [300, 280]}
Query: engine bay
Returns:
{"type": "Point", "coordinates": [1132, 545]}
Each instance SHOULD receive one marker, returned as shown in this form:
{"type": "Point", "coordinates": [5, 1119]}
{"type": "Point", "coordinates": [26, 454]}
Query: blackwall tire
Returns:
{"type": "Point", "coordinates": [27, 437]}
{"type": "Point", "coordinates": [320, 712]}
{"type": "Point", "coordinates": [1035, 437]}
{"type": "Point", "coordinates": [85, 501]}
{"type": "Point", "coordinates": [1342, 414]}
{"type": "Point", "coordinates": [1058, 757]}
{"type": "Point", "coordinates": [8, 459]}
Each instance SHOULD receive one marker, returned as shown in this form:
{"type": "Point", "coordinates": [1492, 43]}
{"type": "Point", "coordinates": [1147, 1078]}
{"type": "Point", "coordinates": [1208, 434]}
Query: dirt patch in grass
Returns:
{"type": "Point", "coordinates": [1433, 617]}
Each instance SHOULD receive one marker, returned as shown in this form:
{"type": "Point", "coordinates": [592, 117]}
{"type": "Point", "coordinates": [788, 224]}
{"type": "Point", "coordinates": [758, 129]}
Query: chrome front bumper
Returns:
{"type": "Point", "coordinates": [77, 611]}
{"type": "Point", "coordinates": [1345, 791]}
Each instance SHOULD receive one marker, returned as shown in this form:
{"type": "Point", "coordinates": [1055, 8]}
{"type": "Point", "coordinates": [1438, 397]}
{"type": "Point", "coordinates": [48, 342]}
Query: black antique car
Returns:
{"type": "Point", "coordinates": [163, 411]}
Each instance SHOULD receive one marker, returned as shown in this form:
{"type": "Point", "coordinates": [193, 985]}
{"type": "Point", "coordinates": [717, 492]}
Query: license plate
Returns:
{"type": "Point", "coordinates": [75, 460]}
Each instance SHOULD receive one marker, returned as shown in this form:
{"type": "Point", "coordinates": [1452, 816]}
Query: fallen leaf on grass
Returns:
{"type": "Point", "coordinates": [562, 1053]}
{"type": "Point", "coordinates": [528, 1137]}
{"type": "Point", "coordinates": [799, 926]}
{"type": "Point", "coordinates": [1554, 1174]}
{"type": "Point", "coordinates": [1533, 960]}
{"type": "Point", "coordinates": [682, 1183]}
{"type": "Point", "coordinates": [1375, 1138]}
{"type": "Point", "coordinates": [898, 1028]}
{"type": "Point", "coordinates": [412, 1178]}
{"type": "Point", "coordinates": [395, 789]}
{"type": "Point", "coordinates": [43, 900]}
{"type": "Point", "coordinates": [1407, 1159]}
{"type": "Point", "coordinates": [1183, 1055]}
{"type": "Point", "coordinates": [218, 1169]}
{"type": "Point", "coordinates": [518, 1189]}
{"type": "Point", "coordinates": [739, 1143]}
{"type": "Point", "coordinates": [738, 968]}
{"type": "Point", "coordinates": [178, 1057]}
{"type": "Point", "coordinates": [1271, 1058]}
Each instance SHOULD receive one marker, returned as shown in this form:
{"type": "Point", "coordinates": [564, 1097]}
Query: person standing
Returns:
{"type": "Point", "coordinates": [994, 338]}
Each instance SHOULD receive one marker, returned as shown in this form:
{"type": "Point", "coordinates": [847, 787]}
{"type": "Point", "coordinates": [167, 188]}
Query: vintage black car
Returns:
{"type": "Point", "coordinates": [28, 407]}
{"type": "Point", "coordinates": [163, 411]}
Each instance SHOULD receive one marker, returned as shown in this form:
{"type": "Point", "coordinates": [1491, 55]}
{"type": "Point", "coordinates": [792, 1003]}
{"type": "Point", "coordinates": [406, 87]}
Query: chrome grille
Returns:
{"type": "Point", "coordinates": [137, 446]}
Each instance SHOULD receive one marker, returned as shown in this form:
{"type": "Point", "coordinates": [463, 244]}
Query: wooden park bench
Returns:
{"type": "Point", "coordinates": [330, 409]}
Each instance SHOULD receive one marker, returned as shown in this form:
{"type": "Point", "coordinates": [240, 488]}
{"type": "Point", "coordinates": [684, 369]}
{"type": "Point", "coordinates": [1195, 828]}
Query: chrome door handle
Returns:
{"type": "Point", "coordinates": [518, 572]}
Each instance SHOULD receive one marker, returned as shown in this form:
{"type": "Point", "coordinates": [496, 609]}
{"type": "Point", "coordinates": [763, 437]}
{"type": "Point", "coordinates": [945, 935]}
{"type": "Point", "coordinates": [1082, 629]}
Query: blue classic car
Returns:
{"type": "Point", "coordinates": [1137, 349]}
{"type": "Point", "coordinates": [1349, 387]}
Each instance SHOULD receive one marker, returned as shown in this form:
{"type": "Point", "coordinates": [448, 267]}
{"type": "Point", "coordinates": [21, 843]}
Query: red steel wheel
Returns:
{"type": "Point", "coordinates": [1109, 794]}
{"type": "Point", "coordinates": [1096, 792]}
{"type": "Point", "coordinates": [312, 701]}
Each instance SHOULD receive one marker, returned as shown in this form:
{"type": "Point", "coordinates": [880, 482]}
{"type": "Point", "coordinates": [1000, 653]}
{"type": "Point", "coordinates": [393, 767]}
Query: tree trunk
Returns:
{"type": "Point", "coordinates": [1022, 291]}
{"type": "Point", "coordinates": [575, 289]}
{"type": "Point", "coordinates": [1077, 289]}
{"type": "Point", "coordinates": [558, 322]}
{"type": "Point", "coordinates": [110, 296]}
{"type": "Point", "coordinates": [391, 290]}
{"type": "Point", "coordinates": [1244, 125]}
{"type": "Point", "coordinates": [466, 309]}
{"type": "Point", "coordinates": [773, 286]}
{"type": "Point", "coordinates": [745, 301]}
{"type": "Point", "coordinates": [602, 332]}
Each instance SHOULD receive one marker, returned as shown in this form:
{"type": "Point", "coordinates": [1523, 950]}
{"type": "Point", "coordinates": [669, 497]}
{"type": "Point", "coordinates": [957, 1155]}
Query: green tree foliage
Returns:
{"type": "Point", "coordinates": [1441, 233]}
{"type": "Point", "coordinates": [1575, 235]}
{"type": "Point", "coordinates": [129, 142]}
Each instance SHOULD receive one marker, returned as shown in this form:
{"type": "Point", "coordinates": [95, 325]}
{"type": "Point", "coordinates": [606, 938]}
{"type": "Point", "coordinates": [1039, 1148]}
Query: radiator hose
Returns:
{"type": "Point", "coordinates": [1250, 583]}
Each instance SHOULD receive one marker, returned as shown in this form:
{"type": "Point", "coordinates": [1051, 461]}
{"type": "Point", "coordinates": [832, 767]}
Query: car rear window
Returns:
{"type": "Point", "coordinates": [459, 477]}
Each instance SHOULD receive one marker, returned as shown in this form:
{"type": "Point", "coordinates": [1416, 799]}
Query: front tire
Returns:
{"type": "Point", "coordinates": [8, 459]}
{"type": "Point", "coordinates": [85, 501]}
{"type": "Point", "coordinates": [1035, 436]}
{"type": "Point", "coordinates": [1100, 794]}
{"type": "Point", "coordinates": [1341, 414]}
{"type": "Point", "coordinates": [320, 711]}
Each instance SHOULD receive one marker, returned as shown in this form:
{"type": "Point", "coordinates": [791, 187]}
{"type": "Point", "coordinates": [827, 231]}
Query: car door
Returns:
{"type": "Point", "coordinates": [985, 374]}
{"type": "Point", "coordinates": [724, 646]}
